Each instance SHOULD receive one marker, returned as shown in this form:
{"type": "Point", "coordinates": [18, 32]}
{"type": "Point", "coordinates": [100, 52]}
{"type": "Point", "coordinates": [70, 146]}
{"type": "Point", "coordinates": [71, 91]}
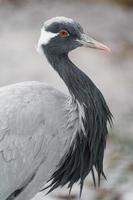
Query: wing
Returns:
{"type": "Point", "coordinates": [27, 126]}
{"type": "Point", "coordinates": [22, 135]}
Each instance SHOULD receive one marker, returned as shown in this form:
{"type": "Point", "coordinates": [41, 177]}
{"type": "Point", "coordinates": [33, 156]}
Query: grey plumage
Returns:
{"type": "Point", "coordinates": [45, 134]}
{"type": "Point", "coordinates": [33, 136]}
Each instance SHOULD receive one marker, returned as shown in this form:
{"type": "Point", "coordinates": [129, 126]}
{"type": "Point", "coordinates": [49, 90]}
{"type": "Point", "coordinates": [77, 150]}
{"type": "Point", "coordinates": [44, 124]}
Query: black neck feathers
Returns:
{"type": "Point", "coordinates": [87, 150]}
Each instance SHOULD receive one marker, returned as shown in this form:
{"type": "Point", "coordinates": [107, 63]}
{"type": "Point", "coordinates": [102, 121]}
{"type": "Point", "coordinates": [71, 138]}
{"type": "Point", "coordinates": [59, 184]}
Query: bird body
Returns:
{"type": "Point", "coordinates": [46, 135]}
{"type": "Point", "coordinates": [27, 139]}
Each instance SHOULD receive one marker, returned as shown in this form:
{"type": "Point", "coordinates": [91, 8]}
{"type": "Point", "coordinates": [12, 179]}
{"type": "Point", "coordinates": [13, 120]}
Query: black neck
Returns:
{"type": "Point", "coordinates": [79, 85]}
{"type": "Point", "coordinates": [87, 151]}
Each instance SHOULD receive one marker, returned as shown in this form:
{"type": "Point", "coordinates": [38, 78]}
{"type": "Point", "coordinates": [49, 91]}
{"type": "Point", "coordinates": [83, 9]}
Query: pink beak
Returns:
{"type": "Point", "coordinates": [87, 41]}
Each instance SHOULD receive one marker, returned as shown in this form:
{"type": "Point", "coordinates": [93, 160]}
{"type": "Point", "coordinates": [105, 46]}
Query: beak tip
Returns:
{"type": "Point", "coordinates": [103, 47]}
{"type": "Point", "coordinates": [108, 50]}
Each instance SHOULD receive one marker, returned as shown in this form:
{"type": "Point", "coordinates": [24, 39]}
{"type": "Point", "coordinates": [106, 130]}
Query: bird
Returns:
{"type": "Point", "coordinates": [49, 139]}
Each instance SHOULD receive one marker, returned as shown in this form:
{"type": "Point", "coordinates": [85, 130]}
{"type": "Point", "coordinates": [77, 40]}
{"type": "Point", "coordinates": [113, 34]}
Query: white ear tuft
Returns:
{"type": "Point", "coordinates": [44, 39]}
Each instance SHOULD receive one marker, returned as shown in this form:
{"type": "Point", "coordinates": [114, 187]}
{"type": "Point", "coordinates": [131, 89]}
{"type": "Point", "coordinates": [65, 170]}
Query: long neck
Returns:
{"type": "Point", "coordinates": [79, 85]}
{"type": "Point", "coordinates": [87, 149]}
{"type": "Point", "coordinates": [83, 90]}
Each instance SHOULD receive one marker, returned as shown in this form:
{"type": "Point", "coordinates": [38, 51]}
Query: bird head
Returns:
{"type": "Point", "coordinates": [61, 35]}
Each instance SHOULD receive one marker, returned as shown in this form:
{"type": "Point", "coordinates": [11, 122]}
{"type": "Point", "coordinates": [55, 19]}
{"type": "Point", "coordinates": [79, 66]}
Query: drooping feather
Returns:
{"type": "Point", "coordinates": [87, 150]}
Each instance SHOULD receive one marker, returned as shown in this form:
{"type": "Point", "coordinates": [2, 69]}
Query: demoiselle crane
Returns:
{"type": "Point", "coordinates": [46, 135]}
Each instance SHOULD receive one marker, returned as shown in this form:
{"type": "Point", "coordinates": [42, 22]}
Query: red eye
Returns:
{"type": "Point", "coordinates": [63, 34]}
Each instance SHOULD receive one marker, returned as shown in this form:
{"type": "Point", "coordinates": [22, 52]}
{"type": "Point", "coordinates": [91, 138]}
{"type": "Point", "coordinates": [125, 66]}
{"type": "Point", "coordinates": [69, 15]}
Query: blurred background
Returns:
{"type": "Point", "coordinates": [110, 22]}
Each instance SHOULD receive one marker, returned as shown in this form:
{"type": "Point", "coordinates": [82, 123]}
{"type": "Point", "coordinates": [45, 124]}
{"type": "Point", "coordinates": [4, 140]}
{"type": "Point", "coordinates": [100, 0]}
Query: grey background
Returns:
{"type": "Point", "coordinates": [108, 22]}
